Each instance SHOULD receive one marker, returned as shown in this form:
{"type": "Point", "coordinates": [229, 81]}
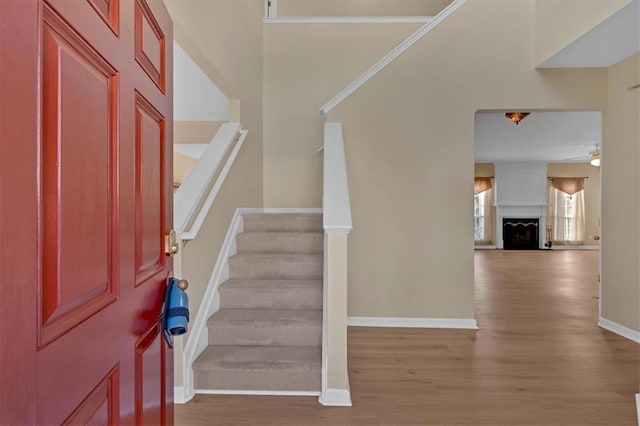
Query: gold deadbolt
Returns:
{"type": "Point", "coordinates": [171, 246]}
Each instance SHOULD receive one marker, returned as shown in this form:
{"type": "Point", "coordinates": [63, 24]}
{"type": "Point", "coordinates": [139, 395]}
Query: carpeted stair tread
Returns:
{"type": "Point", "coordinates": [280, 242]}
{"type": "Point", "coordinates": [283, 222]}
{"type": "Point", "coordinates": [276, 266]}
{"type": "Point", "coordinates": [260, 358]}
{"type": "Point", "coordinates": [271, 294]}
{"type": "Point", "coordinates": [293, 317]}
{"type": "Point", "coordinates": [282, 368]}
{"type": "Point", "coordinates": [277, 327]}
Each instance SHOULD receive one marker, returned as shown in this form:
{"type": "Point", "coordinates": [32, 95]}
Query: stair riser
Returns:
{"type": "Point", "coordinates": [283, 223]}
{"type": "Point", "coordinates": [290, 244]}
{"type": "Point", "coordinates": [258, 380]}
{"type": "Point", "coordinates": [251, 269]}
{"type": "Point", "coordinates": [306, 298]}
{"type": "Point", "coordinates": [264, 335]}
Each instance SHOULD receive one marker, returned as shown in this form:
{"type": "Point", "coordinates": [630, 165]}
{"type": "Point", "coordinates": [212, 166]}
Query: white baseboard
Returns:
{"type": "Point", "coordinates": [621, 330]}
{"type": "Point", "coordinates": [180, 395]}
{"type": "Point", "coordinates": [460, 323]}
{"type": "Point", "coordinates": [256, 392]}
{"type": "Point", "coordinates": [335, 398]}
{"type": "Point", "coordinates": [485, 247]}
{"type": "Point", "coordinates": [638, 407]}
{"type": "Point", "coordinates": [575, 247]}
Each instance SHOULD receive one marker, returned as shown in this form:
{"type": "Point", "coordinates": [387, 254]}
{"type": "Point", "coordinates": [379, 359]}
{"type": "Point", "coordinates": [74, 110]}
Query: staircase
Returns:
{"type": "Point", "coordinates": [267, 335]}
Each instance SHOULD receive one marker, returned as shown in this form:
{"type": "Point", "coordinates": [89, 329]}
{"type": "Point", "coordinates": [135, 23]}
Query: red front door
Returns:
{"type": "Point", "coordinates": [85, 202]}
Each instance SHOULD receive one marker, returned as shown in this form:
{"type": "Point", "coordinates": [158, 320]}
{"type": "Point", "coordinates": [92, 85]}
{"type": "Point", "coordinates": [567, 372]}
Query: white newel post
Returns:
{"type": "Point", "coordinates": [337, 225]}
{"type": "Point", "coordinates": [335, 389]}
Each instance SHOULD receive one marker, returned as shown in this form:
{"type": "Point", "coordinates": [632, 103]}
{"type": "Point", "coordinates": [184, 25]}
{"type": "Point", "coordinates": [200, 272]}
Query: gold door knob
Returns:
{"type": "Point", "coordinates": [171, 246]}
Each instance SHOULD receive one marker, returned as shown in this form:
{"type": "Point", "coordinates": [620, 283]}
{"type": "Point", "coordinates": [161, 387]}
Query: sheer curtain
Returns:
{"type": "Point", "coordinates": [483, 201]}
{"type": "Point", "coordinates": [566, 211]}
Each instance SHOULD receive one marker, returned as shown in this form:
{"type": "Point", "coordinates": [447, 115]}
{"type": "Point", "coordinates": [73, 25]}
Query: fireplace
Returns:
{"type": "Point", "coordinates": [520, 234]}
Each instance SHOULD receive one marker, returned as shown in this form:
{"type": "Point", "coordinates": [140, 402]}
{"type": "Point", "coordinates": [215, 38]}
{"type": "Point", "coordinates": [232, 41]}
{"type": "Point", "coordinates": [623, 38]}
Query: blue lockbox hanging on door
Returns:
{"type": "Point", "coordinates": [175, 314]}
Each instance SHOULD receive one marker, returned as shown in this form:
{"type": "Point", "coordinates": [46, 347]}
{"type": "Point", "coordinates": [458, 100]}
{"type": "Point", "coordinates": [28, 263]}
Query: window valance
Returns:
{"type": "Point", "coordinates": [568, 185]}
{"type": "Point", "coordinates": [481, 184]}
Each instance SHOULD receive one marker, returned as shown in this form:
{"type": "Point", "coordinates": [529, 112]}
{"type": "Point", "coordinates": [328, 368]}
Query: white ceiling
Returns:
{"type": "Point", "coordinates": [606, 44]}
{"type": "Point", "coordinates": [542, 136]}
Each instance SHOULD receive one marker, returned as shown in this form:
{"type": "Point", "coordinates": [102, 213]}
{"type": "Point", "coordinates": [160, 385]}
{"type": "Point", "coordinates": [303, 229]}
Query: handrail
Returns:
{"type": "Point", "coordinates": [195, 196]}
{"type": "Point", "coordinates": [335, 199]}
{"type": "Point", "coordinates": [391, 56]}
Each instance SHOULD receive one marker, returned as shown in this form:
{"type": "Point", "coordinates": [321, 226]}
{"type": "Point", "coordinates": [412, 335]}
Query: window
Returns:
{"type": "Point", "coordinates": [482, 204]}
{"type": "Point", "coordinates": [566, 211]}
{"type": "Point", "coordinates": [479, 210]}
{"type": "Point", "coordinates": [568, 228]}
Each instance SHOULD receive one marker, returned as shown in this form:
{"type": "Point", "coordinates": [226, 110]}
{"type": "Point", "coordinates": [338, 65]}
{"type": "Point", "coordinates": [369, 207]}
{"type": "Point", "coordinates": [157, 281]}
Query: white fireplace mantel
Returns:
{"type": "Point", "coordinates": [521, 212]}
{"type": "Point", "coordinates": [521, 192]}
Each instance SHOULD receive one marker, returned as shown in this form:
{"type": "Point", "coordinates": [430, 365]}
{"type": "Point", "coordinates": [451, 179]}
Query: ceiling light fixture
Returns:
{"type": "Point", "coordinates": [516, 117]}
{"type": "Point", "coordinates": [595, 158]}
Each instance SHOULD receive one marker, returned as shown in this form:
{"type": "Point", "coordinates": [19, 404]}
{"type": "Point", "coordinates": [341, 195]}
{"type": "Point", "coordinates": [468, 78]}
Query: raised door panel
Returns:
{"type": "Point", "coordinates": [78, 183]}
{"type": "Point", "coordinates": [150, 378]}
{"type": "Point", "coordinates": [109, 11]}
{"type": "Point", "coordinates": [150, 190]}
{"type": "Point", "coordinates": [100, 407]}
{"type": "Point", "coordinates": [150, 44]}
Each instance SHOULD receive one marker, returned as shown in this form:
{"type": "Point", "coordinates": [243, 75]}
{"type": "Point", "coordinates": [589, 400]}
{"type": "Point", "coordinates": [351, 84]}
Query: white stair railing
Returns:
{"type": "Point", "coordinates": [337, 225]}
{"type": "Point", "coordinates": [196, 195]}
{"type": "Point", "coordinates": [391, 56]}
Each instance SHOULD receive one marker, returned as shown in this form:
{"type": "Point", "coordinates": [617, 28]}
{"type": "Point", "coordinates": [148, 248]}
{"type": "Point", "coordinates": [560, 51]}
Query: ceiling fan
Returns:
{"type": "Point", "coordinates": [593, 157]}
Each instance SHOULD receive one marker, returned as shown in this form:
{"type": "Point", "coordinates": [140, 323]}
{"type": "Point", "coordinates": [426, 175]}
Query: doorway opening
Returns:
{"type": "Point", "coordinates": [535, 188]}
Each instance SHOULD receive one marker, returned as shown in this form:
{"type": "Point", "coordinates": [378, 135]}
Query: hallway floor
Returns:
{"type": "Point", "coordinates": [538, 359]}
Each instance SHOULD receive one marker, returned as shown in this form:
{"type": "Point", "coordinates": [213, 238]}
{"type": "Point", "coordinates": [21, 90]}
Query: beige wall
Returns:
{"type": "Point", "coordinates": [409, 137]}
{"type": "Point", "coordinates": [225, 40]}
{"type": "Point", "coordinates": [560, 22]}
{"type": "Point", "coordinates": [487, 170]}
{"type": "Point", "coordinates": [360, 7]}
{"type": "Point", "coordinates": [190, 132]}
{"type": "Point", "coordinates": [182, 165]}
{"type": "Point", "coordinates": [304, 66]}
{"type": "Point", "coordinates": [620, 188]}
{"type": "Point", "coordinates": [195, 131]}
{"type": "Point", "coordinates": [591, 194]}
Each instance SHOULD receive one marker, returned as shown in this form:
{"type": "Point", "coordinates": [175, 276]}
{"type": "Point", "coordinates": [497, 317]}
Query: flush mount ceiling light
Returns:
{"type": "Point", "coordinates": [516, 117]}
{"type": "Point", "coordinates": [595, 158]}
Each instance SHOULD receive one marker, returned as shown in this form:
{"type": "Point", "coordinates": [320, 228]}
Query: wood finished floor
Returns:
{"type": "Point", "coordinates": [538, 359]}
